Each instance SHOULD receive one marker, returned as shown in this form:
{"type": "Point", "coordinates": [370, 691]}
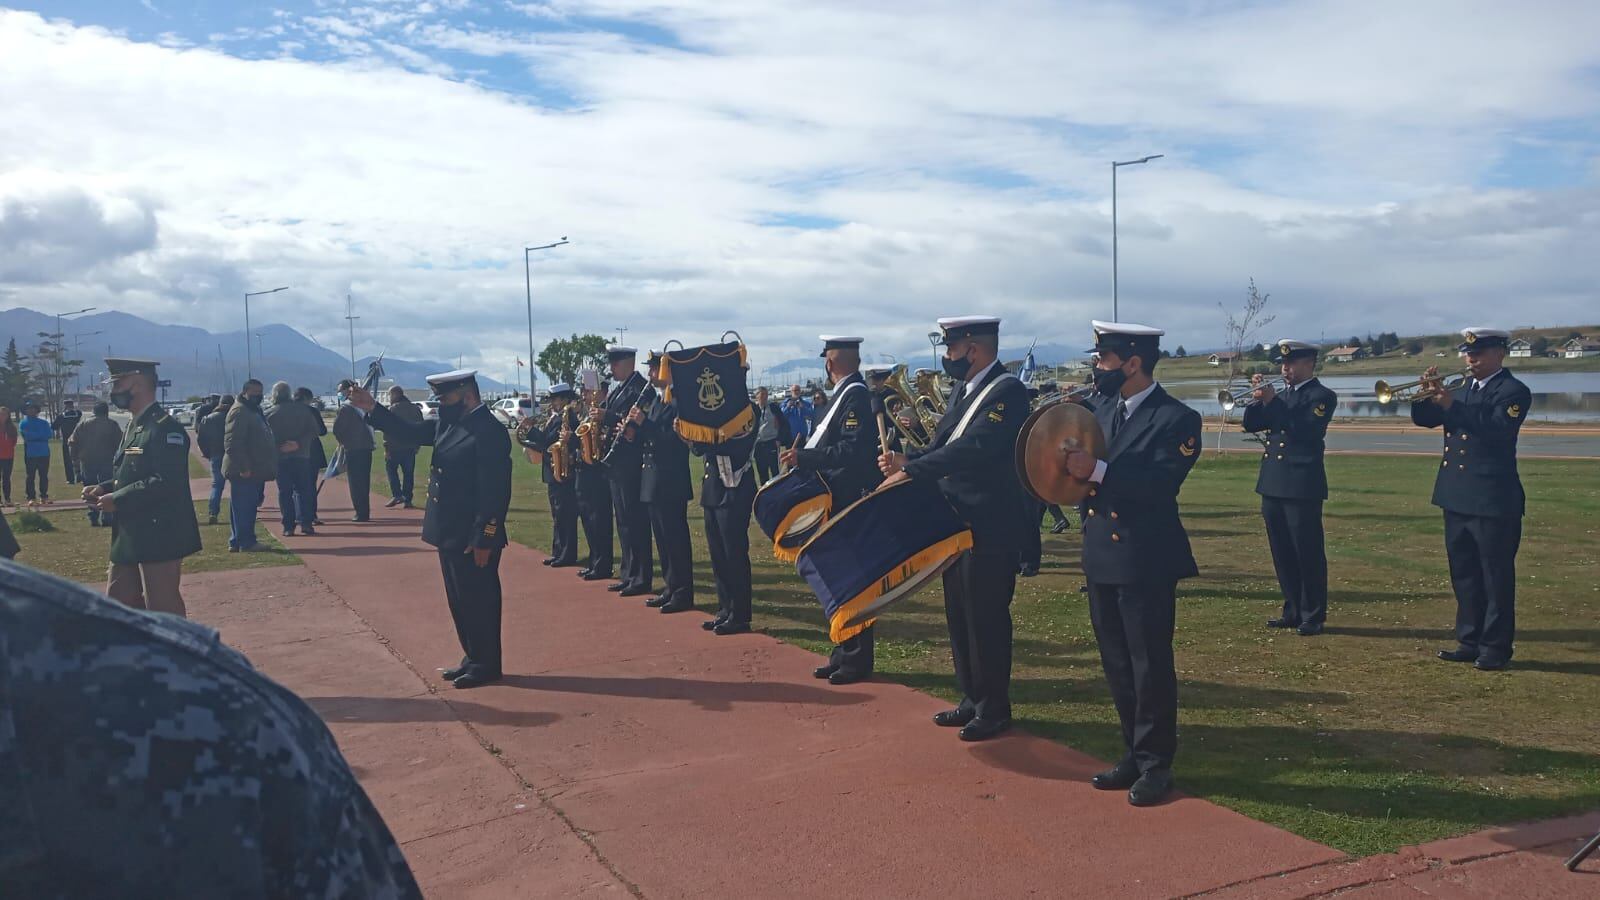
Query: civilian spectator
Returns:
{"type": "Point", "coordinates": [8, 453]}
{"type": "Point", "coordinates": [36, 434]}
{"type": "Point", "coordinates": [797, 412]}
{"type": "Point", "coordinates": [249, 461]}
{"type": "Point", "coordinates": [92, 446]}
{"type": "Point", "coordinates": [294, 428]}
{"type": "Point", "coordinates": [63, 426]}
{"type": "Point", "coordinates": [211, 433]}
{"type": "Point", "coordinates": [351, 431]}
{"type": "Point", "coordinates": [772, 429]}
{"type": "Point", "coordinates": [399, 454]}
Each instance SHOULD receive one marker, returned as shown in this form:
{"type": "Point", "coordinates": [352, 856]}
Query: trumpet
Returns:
{"type": "Point", "coordinates": [1421, 389]}
{"type": "Point", "coordinates": [1230, 399]}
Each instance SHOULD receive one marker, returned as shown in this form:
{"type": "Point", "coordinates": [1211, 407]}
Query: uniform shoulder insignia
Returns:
{"type": "Point", "coordinates": [1514, 411]}
{"type": "Point", "coordinates": [1320, 411]}
{"type": "Point", "coordinates": [176, 438]}
{"type": "Point", "coordinates": [1187, 448]}
{"type": "Point", "coordinates": [995, 414]}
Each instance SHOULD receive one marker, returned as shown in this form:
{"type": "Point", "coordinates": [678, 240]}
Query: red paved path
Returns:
{"type": "Point", "coordinates": [630, 752]}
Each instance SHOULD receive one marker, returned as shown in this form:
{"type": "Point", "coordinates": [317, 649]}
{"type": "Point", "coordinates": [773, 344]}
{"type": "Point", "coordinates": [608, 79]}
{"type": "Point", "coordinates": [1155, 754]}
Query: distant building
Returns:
{"type": "Point", "coordinates": [1217, 359]}
{"type": "Point", "coordinates": [1521, 349]}
{"type": "Point", "coordinates": [1346, 354]}
{"type": "Point", "coordinates": [1579, 347]}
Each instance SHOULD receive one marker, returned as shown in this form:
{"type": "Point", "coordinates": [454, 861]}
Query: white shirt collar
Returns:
{"type": "Point", "coordinates": [834, 391]}
{"type": "Point", "coordinates": [982, 374]}
{"type": "Point", "coordinates": [1132, 403]}
{"type": "Point", "coordinates": [1480, 382]}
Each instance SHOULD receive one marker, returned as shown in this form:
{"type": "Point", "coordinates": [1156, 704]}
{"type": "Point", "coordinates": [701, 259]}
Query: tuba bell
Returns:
{"type": "Point", "coordinates": [930, 399]}
{"type": "Point", "coordinates": [901, 398]}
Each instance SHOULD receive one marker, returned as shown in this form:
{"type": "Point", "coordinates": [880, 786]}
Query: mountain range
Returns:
{"type": "Point", "coordinates": [197, 361]}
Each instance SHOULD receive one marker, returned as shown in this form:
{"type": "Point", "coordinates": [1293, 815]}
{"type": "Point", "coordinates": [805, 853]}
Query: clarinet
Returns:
{"type": "Point", "coordinates": [627, 431]}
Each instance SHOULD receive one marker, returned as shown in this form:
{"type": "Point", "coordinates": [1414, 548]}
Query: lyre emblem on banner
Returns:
{"type": "Point", "coordinates": [711, 394]}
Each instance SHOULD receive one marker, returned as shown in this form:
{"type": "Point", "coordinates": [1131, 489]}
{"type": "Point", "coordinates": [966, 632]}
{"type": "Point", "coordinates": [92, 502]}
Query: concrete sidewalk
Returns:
{"type": "Point", "coordinates": [633, 753]}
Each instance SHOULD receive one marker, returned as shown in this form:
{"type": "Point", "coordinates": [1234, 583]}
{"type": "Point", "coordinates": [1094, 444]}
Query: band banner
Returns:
{"type": "Point", "coordinates": [708, 388]}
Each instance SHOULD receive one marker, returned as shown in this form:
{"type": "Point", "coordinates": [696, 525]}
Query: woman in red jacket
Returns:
{"type": "Point", "coordinates": [8, 453]}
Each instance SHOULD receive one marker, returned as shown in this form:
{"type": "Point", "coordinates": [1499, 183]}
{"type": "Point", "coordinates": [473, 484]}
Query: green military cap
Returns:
{"type": "Point", "coordinates": [122, 366]}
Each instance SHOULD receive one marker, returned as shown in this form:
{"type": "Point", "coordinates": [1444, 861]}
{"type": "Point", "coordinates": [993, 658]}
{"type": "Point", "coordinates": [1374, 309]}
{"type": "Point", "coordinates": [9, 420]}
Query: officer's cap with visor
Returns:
{"type": "Point", "coordinates": [445, 382]}
{"type": "Point", "coordinates": [1126, 340]}
{"type": "Point", "coordinates": [958, 328]}
{"type": "Point", "coordinates": [1483, 339]}
{"type": "Point", "coordinates": [1288, 350]}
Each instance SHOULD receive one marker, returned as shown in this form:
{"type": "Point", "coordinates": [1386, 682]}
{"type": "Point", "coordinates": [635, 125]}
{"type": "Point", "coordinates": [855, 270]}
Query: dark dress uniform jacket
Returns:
{"type": "Point", "coordinates": [847, 454]}
{"type": "Point", "coordinates": [713, 493]}
{"type": "Point", "coordinates": [469, 483]}
{"type": "Point", "coordinates": [978, 471]}
{"type": "Point", "coordinates": [1478, 475]}
{"type": "Point", "coordinates": [1296, 423]}
{"type": "Point", "coordinates": [665, 477]}
{"type": "Point", "coordinates": [625, 461]}
{"type": "Point", "coordinates": [150, 482]}
{"type": "Point", "coordinates": [541, 439]}
{"type": "Point", "coordinates": [1131, 530]}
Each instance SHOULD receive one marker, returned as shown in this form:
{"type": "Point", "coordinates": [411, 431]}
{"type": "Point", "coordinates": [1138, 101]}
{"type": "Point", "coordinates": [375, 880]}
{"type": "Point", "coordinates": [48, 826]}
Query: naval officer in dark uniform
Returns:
{"type": "Point", "coordinates": [844, 449]}
{"type": "Point", "coordinates": [469, 490]}
{"type": "Point", "coordinates": [1480, 492]}
{"type": "Point", "coordinates": [727, 495]}
{"type": "Point", "coordinates": [1135, 550]}
{"type": "Point", "coordinates": [563, 492]}
{"type": "Point", "coordinates": [625, 467]}
{"type": "Point", "coordinates": [971, 458]}
{"type": "Point", "coordinates": [1293, 482]}
{"type": "Point", "coordinates": [665, 491]}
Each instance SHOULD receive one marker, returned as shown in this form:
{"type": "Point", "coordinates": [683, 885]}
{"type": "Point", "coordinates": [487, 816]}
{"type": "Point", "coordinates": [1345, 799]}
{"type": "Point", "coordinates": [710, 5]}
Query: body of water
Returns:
{"type": "Point", "coordinates": [1557, 396]}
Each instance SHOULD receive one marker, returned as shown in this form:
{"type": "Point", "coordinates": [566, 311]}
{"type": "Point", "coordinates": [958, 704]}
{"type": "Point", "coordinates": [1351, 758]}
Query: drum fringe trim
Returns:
{"type": "Point", "coordinates": [703, 434]}
{"type": "Point", "coordinates": [943, 550]}
{"type": "Point", "coordinates": [823, 502]}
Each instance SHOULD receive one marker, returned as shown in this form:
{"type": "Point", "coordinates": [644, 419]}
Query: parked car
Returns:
{"type": "Point", "coordinates": [512, 410]}
{"type": "Point", "coordinates": [430, 410]}
{"type": "Point", "coordinates": [183, 412]}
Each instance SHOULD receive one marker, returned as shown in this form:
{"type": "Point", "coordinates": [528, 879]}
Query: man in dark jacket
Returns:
{"type": "Point", "coordinates": [1480, 491]}
{"type": "Point", "coordinates": [211, 434]}
{"type": "Point", "coordinates": [553, 439]}
{"type": "Point", "coordinates": [295, 427]}
{"type": "Point", "coordinates": [399, 457]}
{"type": "Point", "coordinates": [63, 426]}
{"type": "Point", "coordinates": [469, 491]}
{"type": "Point", "coordinates": [844, 448]}
{"type": "Point", "coordinates": [664, 488]}
{"type": "Point", "coordinates": [1293, 483]}
{"type": "Point", "coordinates": [1135, 550]}
{"type": "Point", "coordinates": [625, 469]}
{"type": "Point", "coordinates": [249, 461]}
{"type": "Point", "coordinates": [971, 459]}
{"type": "Point", "coordinates": [351, 431]}
{"type": "Point", "coordinates": [93, 445]}
{"type": "Point", "coordinates": [772, 434]}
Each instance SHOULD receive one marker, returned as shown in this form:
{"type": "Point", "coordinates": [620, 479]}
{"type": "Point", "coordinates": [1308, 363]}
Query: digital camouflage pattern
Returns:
{"type": "Point", "coordinates": [140, 757]}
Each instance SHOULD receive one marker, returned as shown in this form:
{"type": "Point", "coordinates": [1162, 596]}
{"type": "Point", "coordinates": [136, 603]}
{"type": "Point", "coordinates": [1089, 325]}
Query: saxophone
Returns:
{"type": "Point", "coordinates": [559, 455]}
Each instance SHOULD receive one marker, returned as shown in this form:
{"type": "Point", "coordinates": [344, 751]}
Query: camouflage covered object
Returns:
{"type": "Point", "coordinates": [139, 757]}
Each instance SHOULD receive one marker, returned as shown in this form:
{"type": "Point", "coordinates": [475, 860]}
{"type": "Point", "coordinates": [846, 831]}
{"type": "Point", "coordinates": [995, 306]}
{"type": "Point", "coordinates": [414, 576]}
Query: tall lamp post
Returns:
{"type": "Point", "coordinates": [933, 338]}
{"type": "Point", "coordinates": [351, 317]}
{"type": "Point", "coordinates": [527, 275]}
{"type": "Point", "coordinates": [249, 370]}
{"type": "Point", "coordinates": [1114, 167]}
{"type": "Point", "coordinates": [78, 387]}
{"type": "Point", "coordinates": [261, 350]}
{"type": "Point", "coordinates": [61, 349]}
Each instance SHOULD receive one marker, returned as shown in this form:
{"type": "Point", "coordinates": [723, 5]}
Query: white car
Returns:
{"type": "Point", "coordinates": [512, 410]}
{"type": "Point", "coordinates": [430, 410]}
{"type": "Point", "coordinates": [183, 413]}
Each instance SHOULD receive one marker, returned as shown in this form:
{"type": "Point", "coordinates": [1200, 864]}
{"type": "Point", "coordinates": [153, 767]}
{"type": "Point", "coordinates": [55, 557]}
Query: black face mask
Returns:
{"type": "Point", "coordinates": [122, 399]}
{"type": "Point", "coordinates": [251, 400]}
{"type": "Point", "coordinates": [451, 414]}
{"type": "Point", "coordinates": [1109, 382]}
{"type": "Point", "coordinates": [957, 368]}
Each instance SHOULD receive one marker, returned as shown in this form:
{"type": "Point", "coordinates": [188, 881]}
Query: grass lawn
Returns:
{"type": "Point", "coordinates": [77, 551]}
{"type": "Point", "coordinates": [1359, 738]}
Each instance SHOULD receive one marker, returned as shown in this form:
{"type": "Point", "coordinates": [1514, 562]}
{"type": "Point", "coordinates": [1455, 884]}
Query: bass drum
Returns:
{"type": "Point", "coordinates": [879, 551]}
{"type": "Point", "coordinates": [1042, 443]}
{"type": "Point", "coordinates": [791, 508]}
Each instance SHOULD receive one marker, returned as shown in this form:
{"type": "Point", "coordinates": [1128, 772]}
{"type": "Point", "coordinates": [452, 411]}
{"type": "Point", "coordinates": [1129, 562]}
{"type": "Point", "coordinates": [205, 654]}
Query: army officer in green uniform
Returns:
{"type": "Point", "coordinates": [155, 526]}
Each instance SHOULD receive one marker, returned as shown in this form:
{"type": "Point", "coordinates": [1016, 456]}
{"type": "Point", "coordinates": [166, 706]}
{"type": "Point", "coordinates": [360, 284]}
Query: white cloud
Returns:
{"type": "Point", "coordinates": [1332, 150]}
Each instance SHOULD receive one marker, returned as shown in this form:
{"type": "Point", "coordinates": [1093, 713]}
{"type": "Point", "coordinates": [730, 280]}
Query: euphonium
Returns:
{"type": "Point", "coordinates": [930, 400]}
{"type": "Point", "coordinates": [902, 398]}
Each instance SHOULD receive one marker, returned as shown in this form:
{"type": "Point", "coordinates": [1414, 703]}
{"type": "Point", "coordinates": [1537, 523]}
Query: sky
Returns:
{"type": "Point", "coordinates": [787, 169]}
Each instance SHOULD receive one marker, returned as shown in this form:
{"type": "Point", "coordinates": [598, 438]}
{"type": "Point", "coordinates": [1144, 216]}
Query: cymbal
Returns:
{"type": "Point", "coordinates": [1040, 456]}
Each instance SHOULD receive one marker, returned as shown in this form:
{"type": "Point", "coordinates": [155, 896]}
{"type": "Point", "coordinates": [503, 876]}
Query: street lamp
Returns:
{"type": "Point", "coordinates": [61, 351]}
{"type": "Point", "coordinates": [933, 338]}
{"type": "Point", "coordinates": [78, 385]}
{"type": "Point", "coordinates": [527, 276]}
{"type": "Point", "coordinates": [249, 371]}
{"type": "Point", "coordinates": [1114, 167]}
{"type": "Point", "coordinates": [260, 350]}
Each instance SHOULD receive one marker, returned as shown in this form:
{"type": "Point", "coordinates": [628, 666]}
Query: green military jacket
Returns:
{"type": "Point", "coordinates": [154, 519]}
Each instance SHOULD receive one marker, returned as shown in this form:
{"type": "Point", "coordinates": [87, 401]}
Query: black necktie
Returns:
{"type": "Point", "coordinates": [958, 393]}
{"type": "Point", "coordinates": [1117, 420]}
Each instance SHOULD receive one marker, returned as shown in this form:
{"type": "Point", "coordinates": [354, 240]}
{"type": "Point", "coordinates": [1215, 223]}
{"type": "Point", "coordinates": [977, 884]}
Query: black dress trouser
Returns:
{"type": "Point", "coordinates": [978, 590]}
{"type": "Point", "coordinates": [766, 454]}
{"type": "Point", "coordinates": [1133, 624]}
{"type": "Point", "coordinates": [594, 510]}
{"type": "Point", "coordinates": [633, 532]}
{"type": "Point", "coordinates": [1294, 532]}
{"type": "Point", "coordinates": [358, 472]}
{"type": "Point", "coordinates": [1032, 542]}
{"type": "Point", "coordinates": [474, 597]}
{"type": "Point", "coordinates": [564, 522]}
{"type": "Point", "coordinates": [728, 535]}
{"type": "Point", "coordinates": [1483, 571]}
{"type": "Point", "coordinates": [670, 521]}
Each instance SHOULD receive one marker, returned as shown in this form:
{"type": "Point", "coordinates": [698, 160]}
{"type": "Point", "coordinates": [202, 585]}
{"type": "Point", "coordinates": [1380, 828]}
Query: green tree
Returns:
{"type": "Point", "coordinates": [1180, 352]}
{"type": "Point", "coordinates": [53, 371]}
{"type": "Point", "coordinates": [1539, 345]}
{"type": "Point", "coordinates": [15, 378]}
{"type": "Point", "coordinates": [561, 358]}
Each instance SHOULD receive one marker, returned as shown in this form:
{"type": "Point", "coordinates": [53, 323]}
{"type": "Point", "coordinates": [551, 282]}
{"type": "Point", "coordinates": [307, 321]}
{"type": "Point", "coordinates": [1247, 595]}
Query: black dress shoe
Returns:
{"type": "Point", "coordinates": [596, 576]}
{"type": "Point", "coordinates": [633, 592]}
{"type": "Point", "coordinates": [712, 624]}
{"type": "Point", "coordinates": [1489, 664]}
{"type": "Point", "coordinates": [1028, 570]}
{"type": "Point", "coordinates": [562, 565]}
{"type": "Point", "coordinates": [845, 676]}
{"type": "Point", "coordinates": [656, 602]}
{"type": "Point", "coordinates": [981, 729]}
{"type": "Point", "coordinates": [727, 628]}
{"type": "Point", "coordinates": [1119, 777]}
{"type": "Point", "coordinates": [954, 718]}
{"type": "Point", "coordinates": [548, 561]}
{"type": "Point", "coordinates": [1309, 630]}
{"type": "Point", "coordinates": [614, 588]}
{"type": "Point", "coordinates": [1459, 655]}
{"type": "Point", "coordinates": [827, 672]}
{"type": "Point", "coordinates": [1282, 623]}
{"type": "Point", "coordinates": [393, 502]}
{"type": "Point", "coordinates": [1151, 788]}
{"type": "Point", "coordinates": [453, 674]}
{"type": "Point", "coordinates": [308, 531]}
{"type": "Point", "coordinates": [677, 606]}
{"type": "Point", "coordinates": [475, 679]}
{"type": "Point", "coordinates": [360, 518]}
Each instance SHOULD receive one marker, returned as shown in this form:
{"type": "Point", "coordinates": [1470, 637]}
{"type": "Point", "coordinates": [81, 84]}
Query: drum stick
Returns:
{"type": "Point", "coordinates": [883, 435]}
{"type": "Point", "coordinates": [796, 446]}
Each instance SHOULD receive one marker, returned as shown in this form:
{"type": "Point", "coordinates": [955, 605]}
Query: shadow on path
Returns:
{"type": "Point", "coordinates": [716, 696]}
